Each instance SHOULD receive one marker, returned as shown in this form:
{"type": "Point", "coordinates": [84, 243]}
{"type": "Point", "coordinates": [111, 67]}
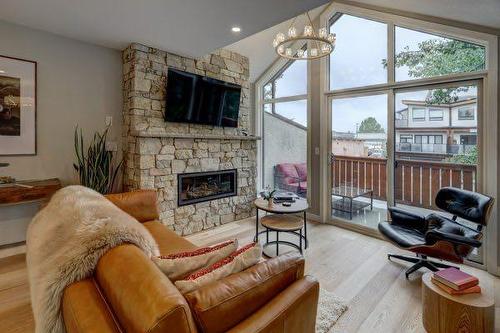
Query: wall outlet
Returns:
{"type": "Point", "coordinates": [108, 121]}
{"type": "Point", "coordinates": [111, 146]}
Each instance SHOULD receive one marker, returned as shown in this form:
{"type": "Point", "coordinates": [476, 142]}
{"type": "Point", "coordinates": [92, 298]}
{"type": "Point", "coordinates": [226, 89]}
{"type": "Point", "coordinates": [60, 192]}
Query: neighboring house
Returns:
{"type": "Point", "coordinates": [435, 132]}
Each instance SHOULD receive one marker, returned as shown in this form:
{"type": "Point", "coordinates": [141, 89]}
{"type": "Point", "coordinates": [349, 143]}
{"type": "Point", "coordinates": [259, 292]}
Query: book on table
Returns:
{"type": "Point", "coordinates": [472, 290]}
{"type": "Point", "coordinates": [456, 279]}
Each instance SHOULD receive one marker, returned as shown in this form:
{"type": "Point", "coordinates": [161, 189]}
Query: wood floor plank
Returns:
{"type": "Point", "coordinates": [353, 266]}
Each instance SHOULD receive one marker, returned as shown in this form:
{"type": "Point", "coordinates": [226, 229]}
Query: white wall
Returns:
{"type": "Point", "coordinates": [283, 143]}
{"type": "Point", "coordinates": [77, 83]}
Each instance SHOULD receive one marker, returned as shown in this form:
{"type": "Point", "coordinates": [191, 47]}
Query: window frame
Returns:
{"type": "Point", "coordinates": [431, 118]}
{"type": "Point", "coordinates": [418, 119]}
{"type": "Point", "coordinates": [487, 78]}
{"type": "Point", "coordinates": [460, 108]}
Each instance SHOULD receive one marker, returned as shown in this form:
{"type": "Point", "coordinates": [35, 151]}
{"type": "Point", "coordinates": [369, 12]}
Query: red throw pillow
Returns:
{"type": "Point", "coordinates": [237, 261]}
{"type": "Point", "coordinates": [178, 265]}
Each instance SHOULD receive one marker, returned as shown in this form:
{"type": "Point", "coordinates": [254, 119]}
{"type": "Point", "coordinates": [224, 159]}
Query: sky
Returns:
{"type": "Point", "coordinates": [356, 61]}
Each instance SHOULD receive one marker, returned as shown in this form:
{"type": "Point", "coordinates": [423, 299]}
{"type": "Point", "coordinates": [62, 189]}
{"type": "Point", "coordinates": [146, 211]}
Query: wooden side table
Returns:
{"type": "Point", "coordinates": [443, 313]}
{"type": "Point", "coordinates": [282, 223]}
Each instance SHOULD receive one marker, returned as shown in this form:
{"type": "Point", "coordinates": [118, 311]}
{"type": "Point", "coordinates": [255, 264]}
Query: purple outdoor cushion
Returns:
{"type": "Point", "coordinates": [302, 171]}
{"type": "Point", "coordinates": [288, 172]}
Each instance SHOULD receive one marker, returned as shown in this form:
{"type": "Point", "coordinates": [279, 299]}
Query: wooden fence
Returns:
{"type": "Point", "coordinates": [416, 182]}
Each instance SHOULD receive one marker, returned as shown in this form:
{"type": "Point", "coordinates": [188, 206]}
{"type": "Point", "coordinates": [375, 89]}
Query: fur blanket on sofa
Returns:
{"type": "Point", "coordinates": [64, 243]}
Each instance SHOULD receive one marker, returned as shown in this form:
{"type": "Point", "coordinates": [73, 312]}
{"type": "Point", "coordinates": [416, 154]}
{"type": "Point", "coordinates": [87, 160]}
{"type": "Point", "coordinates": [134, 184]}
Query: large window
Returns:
{"type": "Point", "coordinates": [361, 42]}
{"type": "Point", "coordinates": [284, 125]}
{"type": "Point", "coordinates": [422, 55]}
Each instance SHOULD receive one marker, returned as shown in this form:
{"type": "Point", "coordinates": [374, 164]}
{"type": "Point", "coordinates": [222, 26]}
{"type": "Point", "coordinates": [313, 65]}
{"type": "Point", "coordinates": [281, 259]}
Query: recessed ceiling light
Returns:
{"type": "Point", "coordinates": [235, 29]}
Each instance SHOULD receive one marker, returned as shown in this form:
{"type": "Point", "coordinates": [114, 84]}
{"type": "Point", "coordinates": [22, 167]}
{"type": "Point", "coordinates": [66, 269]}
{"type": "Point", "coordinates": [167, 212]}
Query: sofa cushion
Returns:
{"type": "Point", "coordinates": [243, 293]}
{"type": "Point", "coordinates": [237, 261]}
{"type": "Point", "coordinates": [287, 172]}
{"type": "Point", "coordinates": [302, 171]}
{"type": "Point", "coordinates": [139, 204]}
{"type": "Point", "coordinates": [178, 265]}
{"type": "Point", "coordinates": [168, 241]}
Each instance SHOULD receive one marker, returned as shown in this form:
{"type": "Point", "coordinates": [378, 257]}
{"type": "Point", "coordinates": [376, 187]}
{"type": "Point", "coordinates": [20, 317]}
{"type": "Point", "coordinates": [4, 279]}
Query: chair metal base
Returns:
{"type": "Point", "coordinates": [420, 261]}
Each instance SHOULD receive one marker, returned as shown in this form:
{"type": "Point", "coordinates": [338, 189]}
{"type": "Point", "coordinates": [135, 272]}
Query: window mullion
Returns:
{"type": "Point", "coordinates": [391, 51]}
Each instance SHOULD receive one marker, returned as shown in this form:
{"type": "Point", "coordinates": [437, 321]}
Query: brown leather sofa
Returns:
{"type": "Point", "coordinates": [128, 293]}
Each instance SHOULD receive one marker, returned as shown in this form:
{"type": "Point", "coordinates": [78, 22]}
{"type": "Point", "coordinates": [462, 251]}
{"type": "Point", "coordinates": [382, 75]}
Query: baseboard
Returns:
{"type": "Point", "coordinates": [12, 249]}
{"type": "Point", "coordinates": [313, 217]}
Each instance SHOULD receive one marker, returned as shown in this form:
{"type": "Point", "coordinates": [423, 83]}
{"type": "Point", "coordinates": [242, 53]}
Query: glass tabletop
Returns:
{"type": "Point", "coordinates": [349, 191]}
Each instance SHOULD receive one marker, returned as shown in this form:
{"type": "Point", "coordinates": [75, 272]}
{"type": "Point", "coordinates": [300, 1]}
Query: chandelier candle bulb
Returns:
{"type": "Point", "coordinates": [331, 38]}
{"type": "Point", "coordinates": [281, 49]}
{"type": "Point", "coordinates": [322, 33]}
{"type": "Point", "coordinates": [326, 48]}
{"type": "Point", "coordinates": [292, 32]}
{"type": "Point", "coordinates": [288, 52]}
{"type": "Point", "coordinates": [280, 37]}
{"type": "Point", "coordinates": [275, 43]}
{"type": "Point", "coordinates": [314, 52]}
{"type": "Point", "coordinates": [308, 30]}
{"type": "Point", "coordinates": [300, 53]}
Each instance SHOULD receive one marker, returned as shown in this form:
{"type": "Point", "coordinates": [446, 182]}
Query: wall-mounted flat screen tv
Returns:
{"type": "Point", "coordinates": [198, 99]}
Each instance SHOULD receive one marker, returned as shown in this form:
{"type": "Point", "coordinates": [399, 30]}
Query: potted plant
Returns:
{"type": "Point", "coordinates": [268, 195]}
{"type": "Point", "coordinates": [95, 165]}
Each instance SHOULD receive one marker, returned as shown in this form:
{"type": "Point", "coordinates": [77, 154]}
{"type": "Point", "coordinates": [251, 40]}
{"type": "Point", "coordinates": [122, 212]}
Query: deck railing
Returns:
{"type": "Point", "coordinates": [416, 182]}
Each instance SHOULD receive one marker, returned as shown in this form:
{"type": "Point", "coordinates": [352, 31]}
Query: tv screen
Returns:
{"type": "Point", "coordinates": [193, 98]}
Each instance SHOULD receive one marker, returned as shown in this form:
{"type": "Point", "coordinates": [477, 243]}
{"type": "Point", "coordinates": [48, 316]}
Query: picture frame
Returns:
{"type": "Point", "coordinates": [18, 106]}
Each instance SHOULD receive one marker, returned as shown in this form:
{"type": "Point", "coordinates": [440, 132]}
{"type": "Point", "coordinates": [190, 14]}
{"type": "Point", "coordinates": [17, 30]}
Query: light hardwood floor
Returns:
{"type": "Point", "coordinates": [351, 265]}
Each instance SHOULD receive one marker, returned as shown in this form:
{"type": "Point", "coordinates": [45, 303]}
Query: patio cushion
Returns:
{"type": "Point", "coordinates": [288, 172]}
{"type": "Point", "coordinates": [301, 170]}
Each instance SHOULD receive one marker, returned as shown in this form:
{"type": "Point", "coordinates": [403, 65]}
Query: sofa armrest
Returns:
{"type": "Point", "coordinates": [142, 298]}
{"type": "Point", "coordinates": [139, 204]}
{"type": "Point", "coordinates": [223, 304]}
{"type": "Point", "coordinates": [85, 311]}
{"type": "Point", "coordinates": [293, 310]}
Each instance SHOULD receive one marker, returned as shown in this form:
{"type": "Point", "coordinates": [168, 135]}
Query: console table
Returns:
{"type": "Point", "coordinates": [28, 191]}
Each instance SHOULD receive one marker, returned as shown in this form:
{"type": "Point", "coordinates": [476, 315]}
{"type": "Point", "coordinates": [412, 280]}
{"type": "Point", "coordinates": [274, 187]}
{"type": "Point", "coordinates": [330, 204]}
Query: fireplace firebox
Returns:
{"type": "Point", "coordinates": [204, 186]}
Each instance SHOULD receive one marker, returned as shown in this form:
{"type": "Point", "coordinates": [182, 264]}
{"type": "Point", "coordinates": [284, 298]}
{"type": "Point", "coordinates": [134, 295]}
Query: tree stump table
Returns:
{"type": "Point", "coordinates": [443, 313]}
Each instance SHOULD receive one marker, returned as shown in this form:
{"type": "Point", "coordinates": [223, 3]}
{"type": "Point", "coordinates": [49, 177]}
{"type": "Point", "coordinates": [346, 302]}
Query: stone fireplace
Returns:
{"type": "Point", "coordinates": [158, 154]}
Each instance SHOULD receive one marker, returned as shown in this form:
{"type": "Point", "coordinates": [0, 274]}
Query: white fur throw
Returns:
{"type": "Point", "coordinates": [64, 243]}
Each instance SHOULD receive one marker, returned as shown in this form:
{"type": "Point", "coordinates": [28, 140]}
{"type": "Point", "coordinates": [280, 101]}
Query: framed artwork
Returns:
{"type": "Point", "coordinates": [17, 106]}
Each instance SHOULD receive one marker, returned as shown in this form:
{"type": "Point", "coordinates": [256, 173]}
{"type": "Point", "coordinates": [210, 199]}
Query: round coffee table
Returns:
{"type": "Point", "coordinates": [282, 220]}
{"type": "Point", "coordinates": [442, 312]}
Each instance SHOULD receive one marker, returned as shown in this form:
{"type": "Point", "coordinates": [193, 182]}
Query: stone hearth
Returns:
{"type": "Point", "coordinates": [156, 151]}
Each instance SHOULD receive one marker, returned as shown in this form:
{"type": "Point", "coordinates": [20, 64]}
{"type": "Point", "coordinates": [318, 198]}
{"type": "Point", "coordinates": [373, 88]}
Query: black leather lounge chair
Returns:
{"type": "Point", "coordinates": [438, 236]}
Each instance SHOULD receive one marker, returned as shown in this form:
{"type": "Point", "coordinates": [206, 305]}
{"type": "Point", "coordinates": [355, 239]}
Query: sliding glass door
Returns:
{"type": "Point", "coordinates": [359, 159]}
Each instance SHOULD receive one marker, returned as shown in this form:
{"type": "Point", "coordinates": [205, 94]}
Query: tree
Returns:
{"type": "Point", "coordinates": [370, 125]}
{"type": "Point", "coordinates": [437, 57]}
{"type": "Point", "coordinates": [469, 157]}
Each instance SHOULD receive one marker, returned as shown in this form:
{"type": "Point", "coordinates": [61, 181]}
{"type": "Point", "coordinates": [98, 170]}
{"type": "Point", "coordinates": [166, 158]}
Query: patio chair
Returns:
{"type": "Point", "coordinates": [291, 177]}
{"type": "Point", "coordinates": [436, 235]}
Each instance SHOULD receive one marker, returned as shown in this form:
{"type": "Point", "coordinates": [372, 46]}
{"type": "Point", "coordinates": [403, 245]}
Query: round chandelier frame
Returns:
{"type": "Point", "coordinates": [317, 45]}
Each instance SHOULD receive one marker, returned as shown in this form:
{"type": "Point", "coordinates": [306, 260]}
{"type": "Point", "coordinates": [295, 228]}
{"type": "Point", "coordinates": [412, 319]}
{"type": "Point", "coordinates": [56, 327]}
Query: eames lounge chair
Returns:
{"type": "Point", "coordinates": [436, 235]}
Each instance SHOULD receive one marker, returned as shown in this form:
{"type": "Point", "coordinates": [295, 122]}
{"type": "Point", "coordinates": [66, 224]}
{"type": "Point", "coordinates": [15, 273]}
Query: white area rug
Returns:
{"type": "Point", "coordinates": [330, 308]}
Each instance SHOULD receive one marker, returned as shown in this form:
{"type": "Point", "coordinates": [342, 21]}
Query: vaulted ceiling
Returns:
{"type": "Point", "coordinates": [481, 12]}
{"type": "Point", "coordinates": [186, 27]}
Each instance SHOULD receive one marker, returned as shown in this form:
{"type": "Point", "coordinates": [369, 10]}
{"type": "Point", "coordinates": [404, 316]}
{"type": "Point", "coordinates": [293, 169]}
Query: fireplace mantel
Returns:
{"type": "Point", "coordinates": [195, 136]}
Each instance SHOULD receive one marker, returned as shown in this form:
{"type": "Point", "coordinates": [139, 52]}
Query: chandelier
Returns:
{"type": "Point", "coordinates": [306, 46]}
